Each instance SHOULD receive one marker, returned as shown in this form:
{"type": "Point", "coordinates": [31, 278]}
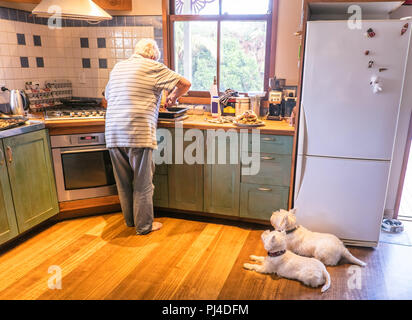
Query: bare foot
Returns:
{"type": "Point", "coordinates": [156, 226]}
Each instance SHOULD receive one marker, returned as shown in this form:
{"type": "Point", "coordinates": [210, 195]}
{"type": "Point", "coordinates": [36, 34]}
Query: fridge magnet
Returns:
{"type": "Point", "coordinates": [367, 52]}
{"type": "Point", "coordinates": [404, 28]}
{"type": "Point", "coordinates": [382, 69]}
{"type": "Point", "coordinates": [370, 64]}
{"type": "Point", "coordinates": [376, 86]}
{"type": "Point", "coordinates": [370, 33]}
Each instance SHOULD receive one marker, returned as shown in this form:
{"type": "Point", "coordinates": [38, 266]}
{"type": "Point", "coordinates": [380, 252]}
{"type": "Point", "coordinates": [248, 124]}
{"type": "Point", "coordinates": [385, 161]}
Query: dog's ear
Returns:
{"type": "Point", "coordinates": [264, 234]}
{"type": "Point", "coordinates": [273, 239]}
{"type": "Point", "coordinates": [291, 220]}
{"type": "Point", "coordinates": [293, 211]}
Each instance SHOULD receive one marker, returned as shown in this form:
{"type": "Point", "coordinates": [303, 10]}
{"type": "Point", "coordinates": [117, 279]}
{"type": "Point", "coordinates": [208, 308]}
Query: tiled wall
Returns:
{"type": "Point", "coordinates": [80, 52]}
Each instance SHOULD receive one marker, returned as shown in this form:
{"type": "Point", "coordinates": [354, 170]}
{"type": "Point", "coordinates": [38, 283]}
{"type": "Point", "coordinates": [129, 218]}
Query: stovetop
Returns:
{"type": "Point", "coordinates": [75, 113]}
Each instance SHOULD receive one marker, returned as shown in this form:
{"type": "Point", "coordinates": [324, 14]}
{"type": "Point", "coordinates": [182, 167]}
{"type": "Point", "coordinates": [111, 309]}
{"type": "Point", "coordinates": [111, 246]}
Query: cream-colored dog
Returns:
{"type": "Point", "coordinates": [286, 264]}
{"type": "Point", "coordinates": [322, 246]}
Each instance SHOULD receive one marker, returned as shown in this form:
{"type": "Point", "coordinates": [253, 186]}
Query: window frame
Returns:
{"type": "Point", "coordinates": [169, 18]}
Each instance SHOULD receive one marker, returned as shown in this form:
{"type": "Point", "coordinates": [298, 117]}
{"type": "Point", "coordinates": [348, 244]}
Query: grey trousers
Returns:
{"type": "Point", "coordinates": [133, 171]}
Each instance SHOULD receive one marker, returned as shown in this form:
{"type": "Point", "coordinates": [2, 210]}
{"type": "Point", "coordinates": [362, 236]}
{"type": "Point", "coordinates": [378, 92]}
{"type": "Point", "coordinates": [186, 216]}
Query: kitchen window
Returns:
{"type": "Point", "coordinates": [232, 40]}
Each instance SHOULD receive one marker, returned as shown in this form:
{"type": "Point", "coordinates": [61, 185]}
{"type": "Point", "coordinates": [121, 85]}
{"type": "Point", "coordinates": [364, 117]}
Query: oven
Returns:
{"type": "Point", "coordinates": [82, 167]}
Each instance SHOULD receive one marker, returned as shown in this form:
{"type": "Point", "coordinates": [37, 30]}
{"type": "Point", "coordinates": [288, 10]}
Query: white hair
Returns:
{"type": "Point", "coordinates": [148, 48]}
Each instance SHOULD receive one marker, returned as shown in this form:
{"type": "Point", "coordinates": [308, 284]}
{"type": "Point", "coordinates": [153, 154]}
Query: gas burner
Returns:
{"type": "Point", "coordinates": [76, 113]}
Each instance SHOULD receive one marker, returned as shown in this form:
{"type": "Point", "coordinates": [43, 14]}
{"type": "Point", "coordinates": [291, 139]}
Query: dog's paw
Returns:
{"type": "Point", "coordinates": [248, 266]}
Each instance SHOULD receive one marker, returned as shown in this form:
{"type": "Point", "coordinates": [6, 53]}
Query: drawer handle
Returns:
{"type": "Point", "coordinates": [265, 189]}
{"type": "Point", "coordinates": [268, 158]}
{"type": "Point", "coordinates": [269, 139]}
{"type": "Point", "coordinates": [2, 158]}
{"type": "Point", "coordinates": [9, 154]}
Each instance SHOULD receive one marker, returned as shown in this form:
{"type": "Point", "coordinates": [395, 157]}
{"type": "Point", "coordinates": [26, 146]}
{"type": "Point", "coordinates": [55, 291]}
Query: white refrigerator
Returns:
{"type": "Point", "coordinates": [346, 130]}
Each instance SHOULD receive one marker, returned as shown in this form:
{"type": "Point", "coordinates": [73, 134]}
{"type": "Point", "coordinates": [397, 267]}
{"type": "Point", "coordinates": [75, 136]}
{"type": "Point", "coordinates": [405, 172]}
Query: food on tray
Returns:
{"type": "Point", "coordinates": [248, 117]}
{"type": "Point", "coordinates": [221, 120]}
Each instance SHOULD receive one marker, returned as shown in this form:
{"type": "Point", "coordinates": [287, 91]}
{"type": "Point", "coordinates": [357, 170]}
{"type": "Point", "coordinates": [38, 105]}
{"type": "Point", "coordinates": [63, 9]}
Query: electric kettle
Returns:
{"type": "Point", "coordinates": [18, 102]}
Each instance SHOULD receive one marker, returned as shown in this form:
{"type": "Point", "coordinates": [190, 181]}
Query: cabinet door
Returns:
{"type": "Point", "coordinates": [8, 224]}
{"type": "Point", "coordinates": [31, 178]}
{"type": "Point", "coordinates": [161, 192]}
{"type": "Point", "coordinates": [186, 187]}
{"type": "Point", "coordinates": [222, 185]}
{"type": "Point", "coordinates": [120, 5]}
{"type": "Point", "coordinates": [259, 201]}
{"type": "Point", "coordinates": [185, 182]}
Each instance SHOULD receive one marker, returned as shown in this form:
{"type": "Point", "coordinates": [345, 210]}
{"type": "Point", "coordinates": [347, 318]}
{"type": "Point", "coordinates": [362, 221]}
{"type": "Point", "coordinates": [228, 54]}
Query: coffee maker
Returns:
{"type": "Point", "coordinates": [275, 105]}
{"type": "Point", "coordinates": [276, 110]}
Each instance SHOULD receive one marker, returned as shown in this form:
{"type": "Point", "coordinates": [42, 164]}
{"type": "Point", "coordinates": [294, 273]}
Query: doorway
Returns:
{"type": "Point", "coordinates": [405, 207]}
{"type": "Point", "coordinates": [404, 202]}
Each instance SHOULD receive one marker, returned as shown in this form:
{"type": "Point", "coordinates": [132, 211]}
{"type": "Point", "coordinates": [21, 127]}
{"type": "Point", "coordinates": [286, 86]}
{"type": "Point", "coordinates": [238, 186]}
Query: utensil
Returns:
{"type": "Point", "coordinates": [172, 113]}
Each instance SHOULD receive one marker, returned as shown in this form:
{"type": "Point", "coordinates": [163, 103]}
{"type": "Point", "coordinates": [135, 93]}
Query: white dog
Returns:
{"type": "Point", "coordinates": [286, 264]}
{"type": "Point", "coordinates": [323, 246]}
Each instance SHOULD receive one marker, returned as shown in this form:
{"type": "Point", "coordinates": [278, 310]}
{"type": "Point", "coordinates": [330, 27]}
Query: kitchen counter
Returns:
{"type": "Point", "coordinates": [30, 126]}
{"type": "Point", "coordinates": [200, 122]}
{"type": "Point", "coordinates": [192, 122]}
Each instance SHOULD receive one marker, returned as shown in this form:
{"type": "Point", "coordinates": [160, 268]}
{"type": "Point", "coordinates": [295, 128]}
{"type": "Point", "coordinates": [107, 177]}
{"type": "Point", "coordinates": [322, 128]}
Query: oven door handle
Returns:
{"type": "Point", "coordinates": [83, 150]}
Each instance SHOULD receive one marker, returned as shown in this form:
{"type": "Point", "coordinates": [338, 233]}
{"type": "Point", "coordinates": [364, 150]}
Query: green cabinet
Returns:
{"type": "Point", "coordinates": [225, 188]}
{"type": "Point", "coordinates": [274, 170]}
{"type": "Point", "coordinates": [8, 224]}
{"type": "Point", "coordinates": [185, 180]}
{"type": "Point", "coordinates": [31, 178]}
{"type": "Point", "coordinates": [222, 185]}
{"type": "Point", "coordinates": [259, 201]}
{"type": "Point", "coordinates": [186, 187]}
{"type": "Point", "coordinates": [161, 192]}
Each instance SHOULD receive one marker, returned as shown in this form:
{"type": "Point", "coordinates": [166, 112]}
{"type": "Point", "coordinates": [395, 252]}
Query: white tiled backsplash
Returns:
{"type": "Point", "coordinates": [63, 56]}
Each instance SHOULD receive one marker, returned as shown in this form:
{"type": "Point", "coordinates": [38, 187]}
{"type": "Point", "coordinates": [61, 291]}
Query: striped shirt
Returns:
{"type": "Point", "coordinates": [133, 96]}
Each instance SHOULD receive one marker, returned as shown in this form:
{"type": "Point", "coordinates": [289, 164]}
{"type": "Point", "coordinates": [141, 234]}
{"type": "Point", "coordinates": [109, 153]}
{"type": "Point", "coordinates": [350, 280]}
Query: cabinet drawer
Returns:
{"type": "Point", "coordinates": [273, 144]}
{"type": "Point", "coordinates": [259, 201]}
{"type": "Point", "coordinates": [274, 170]}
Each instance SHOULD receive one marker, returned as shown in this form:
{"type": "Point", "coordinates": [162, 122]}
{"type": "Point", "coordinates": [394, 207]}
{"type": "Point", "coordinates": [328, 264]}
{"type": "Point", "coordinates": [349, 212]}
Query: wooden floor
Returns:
{"type": "Point", "coordinates": [101, 258]}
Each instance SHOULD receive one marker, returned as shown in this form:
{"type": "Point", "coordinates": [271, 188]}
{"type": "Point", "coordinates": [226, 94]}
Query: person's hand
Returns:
{"type": "Point", "coordinates": [170, 100]}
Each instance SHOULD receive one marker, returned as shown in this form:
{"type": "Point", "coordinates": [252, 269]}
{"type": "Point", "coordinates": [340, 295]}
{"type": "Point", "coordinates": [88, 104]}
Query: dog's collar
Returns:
{"type": "Point", "coordinates": [276, 253]}
{"type": "Point", "coordinates": [292, 230]}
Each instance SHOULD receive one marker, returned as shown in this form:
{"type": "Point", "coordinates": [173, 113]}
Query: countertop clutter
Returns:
{"type": "Point", "coordinates": [30, 126]}
{"type": "Point", "coordinates": [191, 122]}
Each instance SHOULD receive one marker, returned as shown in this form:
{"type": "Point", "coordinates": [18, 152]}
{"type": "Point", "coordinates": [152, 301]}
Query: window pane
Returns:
{"type": "Point", "coordinates": [196, 6]}
{"type": "Point", "coordinates": [243, 48]}
{"type": "Point", "coordinates": [245, 6]}
{"type": "Point", "coordinates": [195, 52]}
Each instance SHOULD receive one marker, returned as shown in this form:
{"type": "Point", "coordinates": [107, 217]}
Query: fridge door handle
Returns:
{"type": "Point", "coordinates": [300, 176]}
{"type": "Point", "coordinates": [303, 131]}
{"type": "Point", "coordinates": [301, 160]}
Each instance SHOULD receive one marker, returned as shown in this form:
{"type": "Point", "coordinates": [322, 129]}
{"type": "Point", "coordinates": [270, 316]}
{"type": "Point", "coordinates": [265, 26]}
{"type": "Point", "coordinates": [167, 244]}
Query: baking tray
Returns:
{"type": "Point", "coordinates": [11, 122]}
{"type": "Point", "coordinates": [172, 113]}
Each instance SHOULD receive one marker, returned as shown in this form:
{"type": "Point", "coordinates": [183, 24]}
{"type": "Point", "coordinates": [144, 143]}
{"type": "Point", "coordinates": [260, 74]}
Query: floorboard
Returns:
{"type": "Point", "coordinates": [101, 258]}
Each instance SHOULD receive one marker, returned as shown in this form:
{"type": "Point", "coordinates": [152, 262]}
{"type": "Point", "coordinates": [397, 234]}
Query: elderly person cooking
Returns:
{"type": "Point", "coordinates": [133, 96]}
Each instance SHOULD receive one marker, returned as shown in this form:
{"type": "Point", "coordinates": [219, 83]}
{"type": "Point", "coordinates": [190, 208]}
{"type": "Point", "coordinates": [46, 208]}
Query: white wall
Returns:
{"type": "Point", "coordinates": [287, 48]}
